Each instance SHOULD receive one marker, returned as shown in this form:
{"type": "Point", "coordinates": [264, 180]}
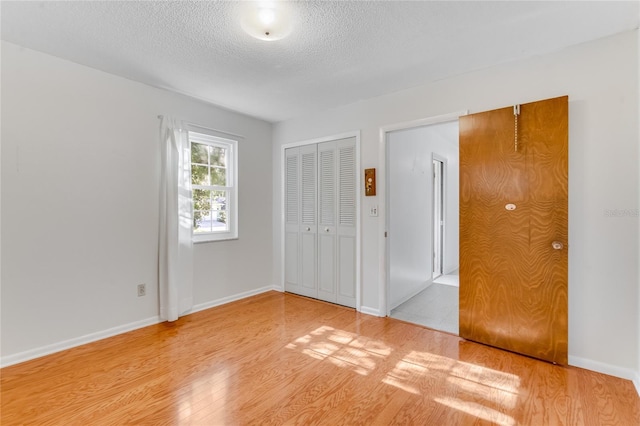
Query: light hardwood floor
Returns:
{"type": "Point", "coordinates": [282, 359]}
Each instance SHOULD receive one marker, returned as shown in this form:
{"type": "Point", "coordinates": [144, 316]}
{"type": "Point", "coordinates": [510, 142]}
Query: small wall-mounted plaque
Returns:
{"type": "Point", "coordinates": [369, 182]}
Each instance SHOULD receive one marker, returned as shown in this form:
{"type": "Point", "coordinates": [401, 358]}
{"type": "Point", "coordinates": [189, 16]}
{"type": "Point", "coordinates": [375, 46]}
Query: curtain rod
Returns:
{"type": "Point", "coordinates": [160, 117]}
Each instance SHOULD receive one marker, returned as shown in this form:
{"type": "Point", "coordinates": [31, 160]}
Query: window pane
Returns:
{"type": "Point", "coordinates": [218, 176]}
{"type": "Point", "coordinates": [199, 175]}
{"type": "Point", "coordinates": [219, 211]}
{"type": "Point", "coordinates": [218, 156]}
{"type": "Point", "coordinates": [199, 153]}
{"type": "Point", "coordinates": [201, 221]}
{"type": "Point", "coordinates": [219, 198]}
{"type": "Point", "coordinates": [202, 200]}
{"type": "Point", "coordinates": [219, 221]}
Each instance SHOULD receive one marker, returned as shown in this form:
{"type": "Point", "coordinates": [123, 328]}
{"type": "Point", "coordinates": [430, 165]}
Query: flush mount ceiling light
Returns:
{"type": "Point", "coordinates": [267, 21]}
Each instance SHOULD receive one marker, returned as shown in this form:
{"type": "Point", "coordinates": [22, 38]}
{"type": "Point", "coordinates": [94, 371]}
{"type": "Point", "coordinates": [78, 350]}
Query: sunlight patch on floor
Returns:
{"type": "Point", "coordinates": [496, 388]}
{"type": "Point", "coordinates": [403, 374]}
{"type": "Point", "coordinates": [499, 380]}
{"type": "Point", "coordinates": [341, 348]}
{"type": "Point", "coordinates": [362, 355]}
{"type": "Point", "coordinates": [491, 393]}
{"type": "Point", "coordinates": [477, 410]}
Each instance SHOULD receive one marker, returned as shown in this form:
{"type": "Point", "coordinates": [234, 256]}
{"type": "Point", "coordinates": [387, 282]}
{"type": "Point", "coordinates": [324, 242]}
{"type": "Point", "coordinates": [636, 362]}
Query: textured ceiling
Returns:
{"type": "Point", "coordinates": [338, 52]}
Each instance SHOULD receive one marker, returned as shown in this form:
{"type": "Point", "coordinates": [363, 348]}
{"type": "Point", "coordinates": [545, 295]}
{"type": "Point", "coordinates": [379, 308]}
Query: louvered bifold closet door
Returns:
{"type": "Point", "coordinates": [292, 220]}
{"type": "Point", "coordinates": [346, 222]}
{"type": "Point", "coordinates": [308, 221]}
{"type": "Point", "coordinates": [320, 221]}
{"type": "Point", "coordinates": [300, 221]}
{"type": "Point", "coordinates": [327, 215]}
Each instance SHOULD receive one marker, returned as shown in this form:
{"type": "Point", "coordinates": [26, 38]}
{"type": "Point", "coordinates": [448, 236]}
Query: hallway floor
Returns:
{"type": "Point", "coordinates": [435, 307]}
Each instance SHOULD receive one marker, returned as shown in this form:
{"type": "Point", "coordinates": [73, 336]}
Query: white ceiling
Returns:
{"type": "Point", "coordinates": [339, 52]}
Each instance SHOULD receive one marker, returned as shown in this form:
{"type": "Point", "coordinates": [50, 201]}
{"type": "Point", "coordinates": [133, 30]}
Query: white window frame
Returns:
{"type": "Point", "coordinates": [231, 146]}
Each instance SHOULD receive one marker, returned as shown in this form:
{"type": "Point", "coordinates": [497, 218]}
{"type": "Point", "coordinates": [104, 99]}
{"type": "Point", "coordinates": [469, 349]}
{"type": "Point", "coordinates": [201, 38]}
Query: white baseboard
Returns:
{"type": "Point", "coordinates": [611, 370]}
{"type": "Point", "coordinates": [8, 360]}
{"type": "Point", "coordinates": [229, 299]}
{"type": "Point", "coordinates": [371, 311]}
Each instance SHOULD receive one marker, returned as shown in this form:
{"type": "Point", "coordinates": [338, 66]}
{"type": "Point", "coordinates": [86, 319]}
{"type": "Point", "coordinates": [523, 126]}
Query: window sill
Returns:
{"type": "Point", "coordinates": [211, 239]}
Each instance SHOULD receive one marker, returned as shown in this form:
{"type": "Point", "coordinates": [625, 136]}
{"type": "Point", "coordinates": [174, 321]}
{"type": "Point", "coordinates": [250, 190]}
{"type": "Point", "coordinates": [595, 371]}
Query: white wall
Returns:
{"type": "Point", "coordinates": [601, 79]}
{"type": "Point", "coordinates": [80, 196]}
{"type": "Point", "coordinates": [410, 196]}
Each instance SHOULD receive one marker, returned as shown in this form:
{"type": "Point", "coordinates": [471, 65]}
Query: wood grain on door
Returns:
{"type": "Point", "coordinates": [513, 229]}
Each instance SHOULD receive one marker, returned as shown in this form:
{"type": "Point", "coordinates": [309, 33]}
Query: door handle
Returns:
{"type": "Point", "coordinates": [308, 229]}
{"type": "Point", "coordinates": [557, 245]}
{"type": "Point", "coordinates": [326, 229]}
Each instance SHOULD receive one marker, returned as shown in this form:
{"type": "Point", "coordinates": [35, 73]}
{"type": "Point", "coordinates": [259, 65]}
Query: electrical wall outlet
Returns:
{"type": "Point", "coordinates": [142, 290]}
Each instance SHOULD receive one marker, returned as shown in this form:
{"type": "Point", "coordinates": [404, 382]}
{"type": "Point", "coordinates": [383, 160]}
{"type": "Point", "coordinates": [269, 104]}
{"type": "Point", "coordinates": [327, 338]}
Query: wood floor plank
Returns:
{"type": "Point", "coordinates": [282, 359]}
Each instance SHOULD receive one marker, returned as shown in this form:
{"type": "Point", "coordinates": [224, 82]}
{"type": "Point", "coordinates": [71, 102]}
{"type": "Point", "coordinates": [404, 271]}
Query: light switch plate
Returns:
{"type": "Point", "coordinates": [373, 211]}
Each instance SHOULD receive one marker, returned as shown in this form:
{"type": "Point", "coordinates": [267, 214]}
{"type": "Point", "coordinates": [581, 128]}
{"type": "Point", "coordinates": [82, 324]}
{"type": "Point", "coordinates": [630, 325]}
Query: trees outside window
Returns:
{"type": "Point", "coordinates": [214, 187]}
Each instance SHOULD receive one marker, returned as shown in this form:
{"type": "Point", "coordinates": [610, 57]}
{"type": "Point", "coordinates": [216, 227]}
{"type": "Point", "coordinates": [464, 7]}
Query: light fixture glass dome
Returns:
{"type": "Point", "coordinates": [267, 21]}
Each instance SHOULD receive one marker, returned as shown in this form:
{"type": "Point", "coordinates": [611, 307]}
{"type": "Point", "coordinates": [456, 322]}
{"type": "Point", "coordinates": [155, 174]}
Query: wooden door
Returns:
{"type": "Point", "coordinates": [513, 229]}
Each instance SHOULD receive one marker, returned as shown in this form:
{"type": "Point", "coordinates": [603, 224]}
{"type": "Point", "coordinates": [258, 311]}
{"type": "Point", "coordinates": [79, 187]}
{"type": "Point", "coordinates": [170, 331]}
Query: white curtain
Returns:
{"type": "Point", "coordinates": [175, 246]}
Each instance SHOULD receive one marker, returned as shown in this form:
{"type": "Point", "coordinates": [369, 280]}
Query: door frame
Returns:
{"type": "Point", "coordinates": [443, 210]}
{"type": "Point", "coordinates": [384, 286]}
{"type": "Point", "coordinates": [352, 134]}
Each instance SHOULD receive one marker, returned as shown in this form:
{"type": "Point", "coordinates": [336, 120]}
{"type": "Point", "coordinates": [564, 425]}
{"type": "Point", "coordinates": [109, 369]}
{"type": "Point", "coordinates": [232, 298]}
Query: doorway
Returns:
{"type": "Point", "coordinates": [439, 170]}
{"type": "Point", "coordinates": [422, 184]}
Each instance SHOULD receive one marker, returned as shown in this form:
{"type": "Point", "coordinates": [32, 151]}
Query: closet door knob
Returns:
{"type": "Point", "coordinates": [557, 245]}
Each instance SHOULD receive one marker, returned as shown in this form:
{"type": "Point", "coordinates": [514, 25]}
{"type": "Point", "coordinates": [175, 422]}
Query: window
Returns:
{"type": "Point", "coordinates": [214, 185]}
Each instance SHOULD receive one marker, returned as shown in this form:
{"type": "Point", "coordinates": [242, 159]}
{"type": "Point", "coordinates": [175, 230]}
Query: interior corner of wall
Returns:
{"type": "Point", "coordinates": [371, 311]}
